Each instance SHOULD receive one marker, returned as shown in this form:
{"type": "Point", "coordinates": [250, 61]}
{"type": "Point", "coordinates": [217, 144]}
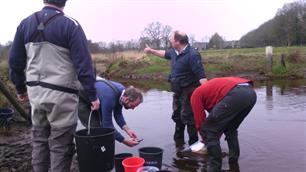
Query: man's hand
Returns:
{"type": "Point", "coordinates": [158, 53]}
{"type": "Point", "coordinates": [95, 105]}
{"type": "Point", "coordinates": [130, 142]}
{"type": "Point", "coordinates": [203, 80]}
{"type": "Point", "coordinates": [132, 134]}
{"type": "Point", "coordinates": [23, 97]}
{"type": "Point", "coordinates": [129, 132]}
{"type": "Point", "coordinates": [148, 50]}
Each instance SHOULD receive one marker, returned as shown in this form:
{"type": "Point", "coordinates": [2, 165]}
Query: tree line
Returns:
{"type": "Point", "coordinates": [155, 34]}
{"type": "Point", "coordinates": [287, 28]}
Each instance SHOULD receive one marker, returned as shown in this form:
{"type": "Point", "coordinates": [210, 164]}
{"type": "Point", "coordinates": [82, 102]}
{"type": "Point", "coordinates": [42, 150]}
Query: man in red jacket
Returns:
{"type": "Point", "coordinates": [228, 101]}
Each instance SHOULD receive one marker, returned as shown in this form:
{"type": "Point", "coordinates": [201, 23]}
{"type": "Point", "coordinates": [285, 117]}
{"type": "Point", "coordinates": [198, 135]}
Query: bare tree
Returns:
{"type": "Point", "coordinates": [156, 34]}
{"type": "Point", "coordinates": [143, 41]}
{"type": "Point", "coordinates": [191, 39]}
{"type": "Point", "coordinates": [131, 45]}
{"type": "Point", "coordinates": [165, 35]}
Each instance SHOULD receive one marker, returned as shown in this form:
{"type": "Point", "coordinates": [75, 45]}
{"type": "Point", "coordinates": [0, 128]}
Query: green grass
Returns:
{"type": "Point", "coordinates": [156, 65]}
{"type": "Point", "coordinates": [279, 69]}
{"type": "Point", "coordinates": [220, 63]}
{"type": "Point", "coordinates": [254, 60]}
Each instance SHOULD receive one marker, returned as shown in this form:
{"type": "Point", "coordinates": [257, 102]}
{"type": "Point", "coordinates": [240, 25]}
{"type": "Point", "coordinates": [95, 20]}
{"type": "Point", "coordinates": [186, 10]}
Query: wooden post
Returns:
{"type": "Point", "coordinates": [269, 89]}
{"type": "Point", "coordinates": [283, 60]}
{"type": "Point", "coordinates": [14, 102]}
{"type": "Point", "coordinates": [269, 55]}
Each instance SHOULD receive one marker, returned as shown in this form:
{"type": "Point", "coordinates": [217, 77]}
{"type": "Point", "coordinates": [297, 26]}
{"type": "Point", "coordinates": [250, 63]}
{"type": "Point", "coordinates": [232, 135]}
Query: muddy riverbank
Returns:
{"type": "Point", "coordinates": [15, 149]}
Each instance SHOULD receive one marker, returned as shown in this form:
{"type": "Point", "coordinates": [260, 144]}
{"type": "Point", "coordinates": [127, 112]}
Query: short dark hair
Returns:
{"type": "Point", "coordinates": [58, 3]}
{"type": "Point", "coordinates": [133, 94]}
{"type": "Point", "coordinates": [182, 38]}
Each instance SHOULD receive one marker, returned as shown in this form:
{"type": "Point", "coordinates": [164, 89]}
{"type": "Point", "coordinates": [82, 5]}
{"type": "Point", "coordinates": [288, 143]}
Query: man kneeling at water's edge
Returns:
{"type": "Point", "coordinates": [114, 96]}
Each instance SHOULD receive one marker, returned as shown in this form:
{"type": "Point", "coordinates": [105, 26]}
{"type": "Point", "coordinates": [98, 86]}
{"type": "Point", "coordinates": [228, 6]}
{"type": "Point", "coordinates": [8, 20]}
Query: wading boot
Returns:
{"type": "Point", "coordinates": [193, 134]}
{"type": "Point", "coordinates": [233, 149]}
{"type": "Point", "coordinates": [179, 132]}
{"type": "Point", "coordinates": [214, 159]}
{"type": "Point", "coordinates": [234, 167]}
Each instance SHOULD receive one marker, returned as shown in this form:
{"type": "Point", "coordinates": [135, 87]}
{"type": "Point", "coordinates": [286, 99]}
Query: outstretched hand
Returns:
{"type": "Point", "coordinates": [148, 49]}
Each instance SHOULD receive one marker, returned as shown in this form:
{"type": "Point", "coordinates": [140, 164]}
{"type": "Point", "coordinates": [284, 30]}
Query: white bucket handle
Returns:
{"type": "Point", "coordinates": [88, 125]}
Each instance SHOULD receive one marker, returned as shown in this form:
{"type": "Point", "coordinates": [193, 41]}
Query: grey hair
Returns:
{"type": "Point", "coordinates": [133, 93]}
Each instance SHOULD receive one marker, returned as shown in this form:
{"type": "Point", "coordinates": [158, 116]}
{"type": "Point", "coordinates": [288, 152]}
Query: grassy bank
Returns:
{"type": "Point", "coordinates": [247, 62]}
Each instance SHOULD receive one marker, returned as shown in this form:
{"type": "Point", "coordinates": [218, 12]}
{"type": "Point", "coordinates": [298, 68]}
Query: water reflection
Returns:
{"type": "Point", "coordinates": [272, 138]}
{"type": "Point", "coordinates": [269, 95]}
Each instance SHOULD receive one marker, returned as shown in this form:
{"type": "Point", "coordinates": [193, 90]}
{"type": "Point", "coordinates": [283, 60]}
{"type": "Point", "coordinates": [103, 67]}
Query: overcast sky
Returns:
{"type": "Point", "coordinates": [111, 20]}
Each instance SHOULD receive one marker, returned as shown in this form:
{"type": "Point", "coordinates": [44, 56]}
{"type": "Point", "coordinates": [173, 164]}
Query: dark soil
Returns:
{"type": "Point", "coordinates": [15, 148]}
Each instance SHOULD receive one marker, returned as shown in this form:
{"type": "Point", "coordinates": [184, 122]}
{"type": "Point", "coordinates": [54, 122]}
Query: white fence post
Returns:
{"type": "Point", "coordinates": [269, 55]}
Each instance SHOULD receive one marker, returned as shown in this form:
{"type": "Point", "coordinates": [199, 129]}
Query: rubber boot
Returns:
{"type": "Point", "coordinates": [234, 151]}
{"type": "Point", "coordinates": [193, 134]}
{"type": "Point", "coordinates": [214, 159]}
{"type": "Point", "coordinates": [179, 132]}
{"type": "Point", "coordinates": [234, 167]}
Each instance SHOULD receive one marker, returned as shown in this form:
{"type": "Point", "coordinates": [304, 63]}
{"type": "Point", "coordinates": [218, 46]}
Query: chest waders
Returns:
{"type": "Point", "coordinates": [38, 35]}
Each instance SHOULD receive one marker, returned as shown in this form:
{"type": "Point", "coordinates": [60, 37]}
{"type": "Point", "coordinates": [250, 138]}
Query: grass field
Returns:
{"type": "Point", "coordinates": [247, 61]}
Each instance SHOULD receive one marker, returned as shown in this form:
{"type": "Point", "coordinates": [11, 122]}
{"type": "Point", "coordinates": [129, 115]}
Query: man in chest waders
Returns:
{"type": "Point", "coordinates": [187, 73]}
{"type": "Point", "coordinates": [48, 61]}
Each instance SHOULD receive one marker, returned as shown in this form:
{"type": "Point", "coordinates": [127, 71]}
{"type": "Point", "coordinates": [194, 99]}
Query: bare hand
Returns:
{"type": "Point", "coordinates": [23, 97]}
{"type": "Point", "coordinates": [95, 105]}
{"type": "Point", "coordinates": [148, 50]}
{"type": "Point", "coordinates": [130, 142]}
{"type": "Point", "coordinates": [203, 80]}
{"type": "Point", "coordinates": [132, 134]}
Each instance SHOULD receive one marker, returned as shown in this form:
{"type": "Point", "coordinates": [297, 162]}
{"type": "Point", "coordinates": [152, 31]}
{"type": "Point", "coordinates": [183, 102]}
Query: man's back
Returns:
{"type": "Point", "coordinates": [48, 58]}
{"type": "Point", "coordinates": [108, 95]}
{"type": "Point", "coordinates": [58, 31]}
{"type": "Point", "coordinates": [61, 32]}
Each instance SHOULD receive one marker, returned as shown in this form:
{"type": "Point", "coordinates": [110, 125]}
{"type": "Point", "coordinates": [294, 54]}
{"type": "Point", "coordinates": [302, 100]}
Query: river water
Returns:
{"type": "Point", "coordinates": [272, 137]}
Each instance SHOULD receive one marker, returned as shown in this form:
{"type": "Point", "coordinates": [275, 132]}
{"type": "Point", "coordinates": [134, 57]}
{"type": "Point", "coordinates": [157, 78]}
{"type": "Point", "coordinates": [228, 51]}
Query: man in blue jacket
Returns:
{"type": "Point", "coordinates": [114, 97]}
{"type": "Point", "coordinates": [187, 73]}
{"type": "Point", "coordinates": [48, 61]}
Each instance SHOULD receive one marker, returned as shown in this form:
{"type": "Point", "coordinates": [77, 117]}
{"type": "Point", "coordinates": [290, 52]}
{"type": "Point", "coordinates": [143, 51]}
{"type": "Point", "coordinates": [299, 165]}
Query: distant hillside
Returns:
{"type": "Point", "coordinates": [287, 28]}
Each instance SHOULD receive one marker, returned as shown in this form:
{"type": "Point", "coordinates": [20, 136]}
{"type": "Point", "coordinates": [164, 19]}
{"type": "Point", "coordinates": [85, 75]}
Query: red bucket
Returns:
{"type": "Point", "coordinates": [132, 164]}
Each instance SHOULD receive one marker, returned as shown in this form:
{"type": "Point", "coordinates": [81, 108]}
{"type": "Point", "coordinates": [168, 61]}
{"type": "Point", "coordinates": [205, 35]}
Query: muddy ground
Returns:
{"type": "Point", "coordinates": [15, 149]}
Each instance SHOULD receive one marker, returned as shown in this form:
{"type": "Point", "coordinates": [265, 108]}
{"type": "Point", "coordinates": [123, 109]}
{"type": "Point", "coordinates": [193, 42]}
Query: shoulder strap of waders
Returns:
{"type": "Point", "coordinates": [108, 83]}
{"type": "Point", "coordinates": [41, 25]}
{"type": "Point", "coordinates": [84, 98]}
{"type": "Point", "coordinates": [111, 85]}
